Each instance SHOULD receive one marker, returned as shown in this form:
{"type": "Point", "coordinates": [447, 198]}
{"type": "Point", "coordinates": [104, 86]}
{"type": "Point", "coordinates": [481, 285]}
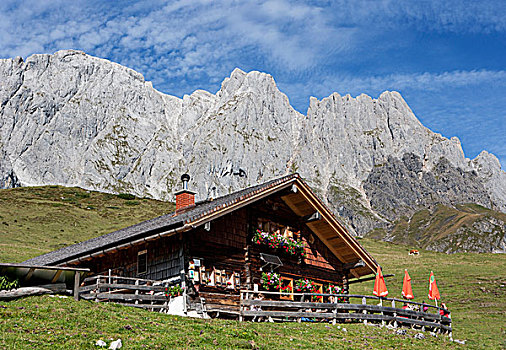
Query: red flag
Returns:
{"type": "Point", "coordinates": [380, 288]}
{"type": "Point", "coordinates": [433, 290]}
{"type": "Point", "coordinates": [407, 292]}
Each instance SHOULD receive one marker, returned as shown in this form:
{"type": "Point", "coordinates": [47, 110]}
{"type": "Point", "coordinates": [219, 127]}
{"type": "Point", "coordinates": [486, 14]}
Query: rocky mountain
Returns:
{"type": "Point", "coordinates": [76, 120]}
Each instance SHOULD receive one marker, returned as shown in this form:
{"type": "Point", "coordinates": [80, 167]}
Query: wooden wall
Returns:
{"type": "Point", "coordinates": [228, 245]}
{"type": "Point", "coordinates": [223, 245]}
{"type": "Point", "coordinates": [165, 260]}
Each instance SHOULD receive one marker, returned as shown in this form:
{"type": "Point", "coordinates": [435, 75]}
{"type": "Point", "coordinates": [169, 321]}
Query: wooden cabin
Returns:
{"type": "Point", "coordinates": [278, 231]}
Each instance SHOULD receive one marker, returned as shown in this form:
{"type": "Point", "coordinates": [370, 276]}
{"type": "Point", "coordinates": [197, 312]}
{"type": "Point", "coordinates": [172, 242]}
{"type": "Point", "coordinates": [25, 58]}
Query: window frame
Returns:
{"type": "Point", "coordinates": [144, 254]}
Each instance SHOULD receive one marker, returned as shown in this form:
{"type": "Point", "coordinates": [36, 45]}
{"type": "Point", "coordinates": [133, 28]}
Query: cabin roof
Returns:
{"type": "Point", "coordinates": [302, 201]}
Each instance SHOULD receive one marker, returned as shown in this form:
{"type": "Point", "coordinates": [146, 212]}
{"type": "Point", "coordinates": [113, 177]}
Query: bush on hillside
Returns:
{"type": "Point", "coordinates": [7, 284]}
{"type": "Point", "coordinates": [126, 196]}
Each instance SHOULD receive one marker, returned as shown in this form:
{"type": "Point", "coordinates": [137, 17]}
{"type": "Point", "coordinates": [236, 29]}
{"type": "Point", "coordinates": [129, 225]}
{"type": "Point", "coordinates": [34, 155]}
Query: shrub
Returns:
{"type": "Point", "coordinates": [127, 196]}
{"type": "Point", "coordinates": [7, 284]}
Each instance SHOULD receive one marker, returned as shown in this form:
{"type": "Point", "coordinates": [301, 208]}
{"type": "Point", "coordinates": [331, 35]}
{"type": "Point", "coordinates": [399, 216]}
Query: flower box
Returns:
{"type": "Point", "coordinates": [286, 245]}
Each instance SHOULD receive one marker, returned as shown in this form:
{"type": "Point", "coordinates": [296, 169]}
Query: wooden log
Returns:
{"type": "Point", "coordinates": [418, 322]}
{"type": "Point", "coordinates": [144, 306]}
{"type": "Point", "coordinates": [31, 291]}
{"type": "Point", "coordinates": [360, 316]}
{"type": "Point", "coordinates": [263, 313]}
{"type": "Point", "coordinates": [111, 296]}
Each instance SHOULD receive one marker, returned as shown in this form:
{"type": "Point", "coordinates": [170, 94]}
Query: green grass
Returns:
{"type": "Point", "coordinates": [37, 220]}
{"type": "Point", "coordinates": [41, 219]}
{"type": "Point", "coordinates": [472, 285]}
{"type": "Point", "coordinates": [54, 323]}
{"type": "Point", "coordinates": [424, 229]}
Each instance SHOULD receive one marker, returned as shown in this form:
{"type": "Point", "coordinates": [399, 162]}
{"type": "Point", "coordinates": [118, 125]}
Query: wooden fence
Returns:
{"type": "Point", "coordinates": [256, 309]}
{"type": "Point", "coordinates": [136, 292]}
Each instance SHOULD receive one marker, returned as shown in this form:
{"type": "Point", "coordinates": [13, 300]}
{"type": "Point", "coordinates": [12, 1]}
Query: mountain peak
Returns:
{"type": "Point", "coordinates": [73, 119]}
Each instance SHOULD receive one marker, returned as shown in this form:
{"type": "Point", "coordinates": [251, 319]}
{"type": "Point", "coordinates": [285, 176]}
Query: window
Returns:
{"type": "Point", "coordinates": [286, 287]}
{"type": "Point", "coordinates": [142, 262]}
{"type": "Point", "coordinates": [317, 288]}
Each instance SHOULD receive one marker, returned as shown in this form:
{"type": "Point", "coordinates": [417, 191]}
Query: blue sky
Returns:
{"type": "Point", "coordinates": [447, 58]}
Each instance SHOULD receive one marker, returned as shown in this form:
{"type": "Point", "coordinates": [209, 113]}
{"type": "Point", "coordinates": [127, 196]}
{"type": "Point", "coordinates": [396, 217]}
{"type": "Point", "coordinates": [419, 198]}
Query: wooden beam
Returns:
{"type": "Point", "coordinates": [368, 279]}
{"type": "Point", "coordinates": [56, 276]}
{"type": "Point", "coordinates": [29, 274]}
{"type": "Point", "coordinates": [327, 243]}
{"type": "Point", "coordinates": [40, 267]}
{"type": "Point", "coordinates": [237, 205]}
{"type": "Point", "coordinates": [289, 200]}
{"type": "Point", "coordinates": [77, 283]}
{"type": "Point", "coordinates": [349, 240]}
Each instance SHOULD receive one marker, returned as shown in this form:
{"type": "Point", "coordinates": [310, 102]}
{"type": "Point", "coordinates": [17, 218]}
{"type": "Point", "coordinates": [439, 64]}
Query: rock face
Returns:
{"type": "Point", "coordinates": [77, 120]}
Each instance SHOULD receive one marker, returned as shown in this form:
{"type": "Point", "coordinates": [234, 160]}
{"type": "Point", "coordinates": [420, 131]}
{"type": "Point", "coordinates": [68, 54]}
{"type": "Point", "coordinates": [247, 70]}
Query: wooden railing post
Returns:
{"type": "Point", "coordinates": [109, 280]}
{"type": "Point", "coordinates": [440, 322]}
{"type": "Point", "coordinates": [97, 291]}
{"type": "Point", "coordinates": [395, 314]}
{"type": "Point", "coordinates": [77, 283]}
{"type": "Point", "coordinates": [364, 302]}
{"type": "Point", "coordinates": [185, 306]}
{"type": "Point", "coordinates": [334, 320]}
{"type": "Point", "coordinates": [240, 307]}
{"type": "Point", "coordinates": [136, 293]}
{"type": "Point", "coordinates": [450, 325]}
{"type": "Point", "coordinates": [382, 313]}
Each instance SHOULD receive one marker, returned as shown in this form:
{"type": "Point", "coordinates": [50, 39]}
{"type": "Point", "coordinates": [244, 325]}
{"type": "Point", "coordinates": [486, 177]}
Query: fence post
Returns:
{"type": "Point", "coordinates": [382, 313]}
{"type": "Point", "coordinates": [136, 292]}
{"type": "Point", "coordinates": [185, 306]}
{"type": "Point", "coordinates": [240, 307]}
{"type": "Point", "coordinates": [334, 320]}
{"type": "Point", "coordinates": [77, 282]}
{"type": "Point", "coordinates": [450, 325]}
{"type": "Point", "coordinates": [97, 291]}
{"type": "Point", "coordinates": [395, 314]}
{"type": "Point", "coordinates": [364, 302]}
{"type": "Point", "coordinates": [109, 280]}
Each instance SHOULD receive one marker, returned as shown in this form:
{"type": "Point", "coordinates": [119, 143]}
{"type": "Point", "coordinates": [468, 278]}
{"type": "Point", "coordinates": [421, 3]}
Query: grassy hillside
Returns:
{"type": "Point", "coordinates": [31, 323]}
{"type": "Point", "coordinates": [38, 220]}
{"type": "Point", "coordinates": [473, 286]}
{"type": "Point", "coordinates": [466, 227]}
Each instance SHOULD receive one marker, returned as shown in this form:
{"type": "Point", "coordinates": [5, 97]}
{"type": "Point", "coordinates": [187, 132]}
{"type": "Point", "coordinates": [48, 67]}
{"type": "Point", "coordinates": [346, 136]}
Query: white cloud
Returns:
{"type": "Point", "coordinates": [424, 81]}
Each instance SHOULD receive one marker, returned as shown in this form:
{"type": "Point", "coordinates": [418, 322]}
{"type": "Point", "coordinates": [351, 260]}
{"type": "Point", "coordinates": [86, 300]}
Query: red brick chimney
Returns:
{"type": "Point", "coordinates": [185, 198]}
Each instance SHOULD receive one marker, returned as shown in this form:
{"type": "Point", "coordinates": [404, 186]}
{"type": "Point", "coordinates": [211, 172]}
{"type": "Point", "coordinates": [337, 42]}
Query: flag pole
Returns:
{"type": "Point", "coordinates": [436, 301]}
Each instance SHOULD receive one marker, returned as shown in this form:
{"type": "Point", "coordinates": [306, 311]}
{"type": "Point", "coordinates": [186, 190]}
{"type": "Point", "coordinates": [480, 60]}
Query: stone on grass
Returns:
{"type": "Point", "coordinates": [115, 345]}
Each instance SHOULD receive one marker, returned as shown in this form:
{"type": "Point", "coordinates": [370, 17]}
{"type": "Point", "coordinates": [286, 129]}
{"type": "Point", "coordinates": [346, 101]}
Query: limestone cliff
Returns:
{"type": "Point", "coordinates": [77, 120]}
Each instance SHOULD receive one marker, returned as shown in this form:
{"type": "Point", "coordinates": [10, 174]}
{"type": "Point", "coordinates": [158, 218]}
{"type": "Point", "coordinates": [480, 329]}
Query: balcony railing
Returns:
{"type": "Point", "coordinates": [137, 292]}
